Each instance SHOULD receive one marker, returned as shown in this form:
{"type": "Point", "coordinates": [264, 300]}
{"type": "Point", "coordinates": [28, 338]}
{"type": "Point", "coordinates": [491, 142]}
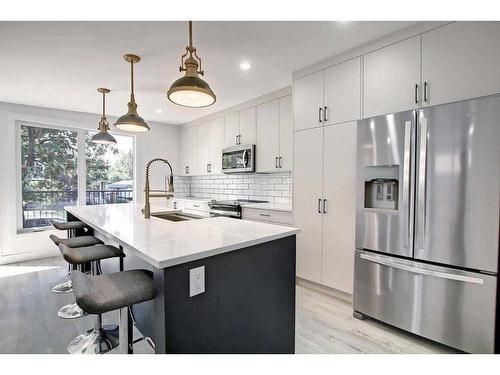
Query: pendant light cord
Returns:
{"type": "Point", "coordinates": [104, 105]}
{"type": "Point", "coordinates": [132, 83]}
{"type": "Point", "coordinates": [191, 37]}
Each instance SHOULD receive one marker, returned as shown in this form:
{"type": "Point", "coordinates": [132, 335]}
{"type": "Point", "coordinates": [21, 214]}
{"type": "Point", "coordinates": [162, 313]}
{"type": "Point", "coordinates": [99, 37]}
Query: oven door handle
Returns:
{"type": "Point", "coordinates": [420, 271]}
{"type": "Point", "coordinates": [245, 158]}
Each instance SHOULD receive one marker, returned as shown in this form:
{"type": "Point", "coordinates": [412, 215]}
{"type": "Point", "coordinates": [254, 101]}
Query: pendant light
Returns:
{"type": "Point", "coordinates": [103, 136]}
{"type": "Point", "coordinates": [191, 90]}
{"type": "Point", "coordinates": [131, 121]}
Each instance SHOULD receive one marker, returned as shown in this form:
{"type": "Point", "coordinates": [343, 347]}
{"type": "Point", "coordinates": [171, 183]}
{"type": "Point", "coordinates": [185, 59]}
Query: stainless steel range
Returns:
{"type": "Point", "coordinates": [427, 222]}
{"type": "Point", "coordinates": [229, 208]}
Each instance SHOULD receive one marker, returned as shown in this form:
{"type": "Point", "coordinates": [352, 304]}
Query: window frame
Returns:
{"type": "Point", "coordinates": [81, 166]}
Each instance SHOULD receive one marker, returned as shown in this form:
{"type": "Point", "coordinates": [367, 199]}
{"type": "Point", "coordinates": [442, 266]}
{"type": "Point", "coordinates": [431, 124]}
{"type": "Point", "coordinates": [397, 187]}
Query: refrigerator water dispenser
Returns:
{"type": "Point", "coordinates": [382, 187]}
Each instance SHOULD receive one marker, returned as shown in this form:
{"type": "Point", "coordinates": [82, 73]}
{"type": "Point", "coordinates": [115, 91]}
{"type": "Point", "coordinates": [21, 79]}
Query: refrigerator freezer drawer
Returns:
{"type": "Point", "coordinates": [453, 307]}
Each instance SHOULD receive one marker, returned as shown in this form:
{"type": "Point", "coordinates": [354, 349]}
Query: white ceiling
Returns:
{"type": "Point", "coordinates": [60, 64]}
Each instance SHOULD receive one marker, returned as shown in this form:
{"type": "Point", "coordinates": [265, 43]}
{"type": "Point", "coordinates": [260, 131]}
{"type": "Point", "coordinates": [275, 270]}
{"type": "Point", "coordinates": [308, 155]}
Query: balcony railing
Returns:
{"type": "Point", "coordinates": [41, 207]}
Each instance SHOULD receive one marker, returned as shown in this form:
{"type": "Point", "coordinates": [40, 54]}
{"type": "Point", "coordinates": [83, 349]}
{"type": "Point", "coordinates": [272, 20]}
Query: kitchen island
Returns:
{"type": "Point", "coordinates": [248, 302]}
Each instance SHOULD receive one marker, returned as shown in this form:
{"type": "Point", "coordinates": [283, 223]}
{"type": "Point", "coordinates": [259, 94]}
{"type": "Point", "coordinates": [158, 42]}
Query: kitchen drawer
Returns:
{"type": "Point", "coordinates": [196, 206]}
{"type": "Point", "coordinates": [454, 307]}
{"type": "Point", "coordinates": [279, 217]}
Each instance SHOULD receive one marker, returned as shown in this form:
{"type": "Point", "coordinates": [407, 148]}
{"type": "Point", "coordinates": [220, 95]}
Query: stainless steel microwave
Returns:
{"type": "Point", "coordinates": [238, 159]}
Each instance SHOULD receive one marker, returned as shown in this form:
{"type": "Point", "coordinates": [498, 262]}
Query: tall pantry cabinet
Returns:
{"type": "Point", "coordinates": [324, 173]}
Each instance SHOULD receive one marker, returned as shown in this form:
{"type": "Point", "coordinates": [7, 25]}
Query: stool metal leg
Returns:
{"type": "Point", "coordinates": [126, 332]}
{"type": "Point", "coordinates": [71, 310]}
{"type": "Point", "coordinates": [96, 340]}
{"type": "Point", "coordinates": [66, 287]}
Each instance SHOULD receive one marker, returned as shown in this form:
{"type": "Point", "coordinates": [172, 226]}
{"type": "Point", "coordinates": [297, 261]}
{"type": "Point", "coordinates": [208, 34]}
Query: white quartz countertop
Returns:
{"type": "Point", "coordinates": [268, 206]}
{"type": "Point", "coordinates": [164, 243]}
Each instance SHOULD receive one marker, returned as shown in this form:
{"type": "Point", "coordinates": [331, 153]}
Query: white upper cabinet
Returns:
{"type": "Point", "coordinates": [339, 212]}
{"type": "Point", "coordinates": [203, 148]}
{"type": "Point", "coordinates": [461, 61]}
{"type": "Point", "coordinates": [216, 145]}
{"type": "Point", "coordinates": [390, 78]}
{"type": "Point", "coordinates": [248, 126]}
{"type": "Point", "coordinates": [182, 170]}
{"type": "Point", "coordinates": [286, 134]}
{"type": "Point", "coordinates": [268, 136]}
{"type": "Point", "coordinates": [274, 135]}
{"type": "Point", "coordinates": [307, 195]}
{"type": "Point", "coordinates": [192, 150]}
{"type": "Point", "coordinates": [231, 129]}
{"type": "Point", "coordinates": [308, 101]}
{"type": "Point", "coordinates": [342, 99]}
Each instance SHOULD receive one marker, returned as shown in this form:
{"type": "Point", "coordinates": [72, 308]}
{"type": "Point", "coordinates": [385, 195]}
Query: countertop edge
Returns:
{"type": "Point", "coordinates": [186, 258]}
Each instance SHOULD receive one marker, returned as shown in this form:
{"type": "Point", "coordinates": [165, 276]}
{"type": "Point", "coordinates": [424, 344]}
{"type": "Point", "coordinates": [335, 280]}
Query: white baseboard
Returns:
{"type": "Point", "coordinates": [325, 290]}
{"type": "Point", "coordinates": [28, 256]}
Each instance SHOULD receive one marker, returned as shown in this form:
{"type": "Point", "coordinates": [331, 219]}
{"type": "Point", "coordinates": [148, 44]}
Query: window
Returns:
{"type": "Point", "coordinates": [49, 174]}
{"type": "Point", "coordinates": [110, 170]}
{"type": "Point", "coordinates": [52, 175]}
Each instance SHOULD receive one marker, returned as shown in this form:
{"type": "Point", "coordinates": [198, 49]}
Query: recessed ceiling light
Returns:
{"type": "Point", "coordinates": [158, 110]}
{"type": "Point", "coordinates": [245, 65]}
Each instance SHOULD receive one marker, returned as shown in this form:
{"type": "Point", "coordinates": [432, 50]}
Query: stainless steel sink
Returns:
{"type": "Point", "coordinates": [176, 216]}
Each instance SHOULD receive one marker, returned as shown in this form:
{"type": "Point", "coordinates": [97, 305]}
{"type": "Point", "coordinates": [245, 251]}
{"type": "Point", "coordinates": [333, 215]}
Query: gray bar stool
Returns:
{"type": "Point", "coordinates": [80, 256]}
{"type": "Point", "coordinates": [81, 241]}
{"type": "Point", "coordinates": [71, 228]}
{"type": "Point", "coordinates": [104, 293]}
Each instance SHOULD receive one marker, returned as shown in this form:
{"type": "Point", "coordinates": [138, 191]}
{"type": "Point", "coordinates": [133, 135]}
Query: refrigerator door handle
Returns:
{"type": "Point", "coordinates": [406, 182]}
{"type": "Point", "coordinates": [422, 180]}
{"type": "Point", "coordinates": [420, 271]}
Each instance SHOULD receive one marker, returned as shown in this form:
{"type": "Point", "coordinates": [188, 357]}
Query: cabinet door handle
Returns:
{"type": "Point", "coordinates": [324, 206]}
{"type": "Point", "coordinates": [279, 161]}
{"type": "Point", "coordinates": [239, 139]}
{"type": "Point", "coordinates": [416, 93]}
{"type": "Point", "coordinates": [425, 92]}
{"type": "Point", "coordinates": [236, 139]}
{"type": "Point", "coordinates": [196, 205]}
{"type": "Point", "coordinates": [319, 114]}
{"type": "Point", "coordinates": [210, 167]}
{"type": "Point", "coordinates": [325, 114]}
{"type": "Point", "coordinates": [187, 168]}
{"type": "Point", "coordinates": [266, 215]}
{"type": "Point", "coordinates": [319, 205]}
{"type": "Point", "coordinates": [276, 162]}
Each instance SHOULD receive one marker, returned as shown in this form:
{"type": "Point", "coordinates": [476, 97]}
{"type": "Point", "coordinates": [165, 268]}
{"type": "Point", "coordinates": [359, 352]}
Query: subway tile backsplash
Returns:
{"type": "Point", "coordinates": [272, 187]}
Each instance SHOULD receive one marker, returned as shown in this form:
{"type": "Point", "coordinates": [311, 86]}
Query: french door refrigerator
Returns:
{"type": "Point", "coordinates": [427, 222]}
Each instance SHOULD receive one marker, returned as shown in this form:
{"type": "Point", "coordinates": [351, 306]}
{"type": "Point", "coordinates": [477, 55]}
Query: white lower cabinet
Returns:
{"type": "Point", "coordinates": [268, 216]}
{"type": "Point", "coordinates": [307, 193]}
{"type": "Point", "coordinates": [324, 204]}
{"type": "Point", "coordinates": [339, 176]}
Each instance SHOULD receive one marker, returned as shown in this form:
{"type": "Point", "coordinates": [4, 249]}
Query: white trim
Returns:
{"type": "Point", "coordinates": [81, 168]}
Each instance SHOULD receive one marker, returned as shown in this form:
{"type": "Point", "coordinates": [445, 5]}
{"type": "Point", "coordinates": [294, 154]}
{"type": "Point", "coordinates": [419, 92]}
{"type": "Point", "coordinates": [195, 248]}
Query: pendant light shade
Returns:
{"type": "Point", "coordinates": [103, 136]}
{"type": "Point", "coordinates": [191, 90]}
{"type": "Point", "coordinates": [131, 121]}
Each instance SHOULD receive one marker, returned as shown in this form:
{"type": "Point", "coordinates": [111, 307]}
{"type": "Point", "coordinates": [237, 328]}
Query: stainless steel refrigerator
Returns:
{"type": "Point", "coordinates": [427, 222]}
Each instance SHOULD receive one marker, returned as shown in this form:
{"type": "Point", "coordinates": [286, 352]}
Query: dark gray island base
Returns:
{"type": "Point", "coordinates": [248, 305]}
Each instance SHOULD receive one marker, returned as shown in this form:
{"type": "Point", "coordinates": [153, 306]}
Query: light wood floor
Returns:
{"type": "Point", "coordinates": [29, 322]}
